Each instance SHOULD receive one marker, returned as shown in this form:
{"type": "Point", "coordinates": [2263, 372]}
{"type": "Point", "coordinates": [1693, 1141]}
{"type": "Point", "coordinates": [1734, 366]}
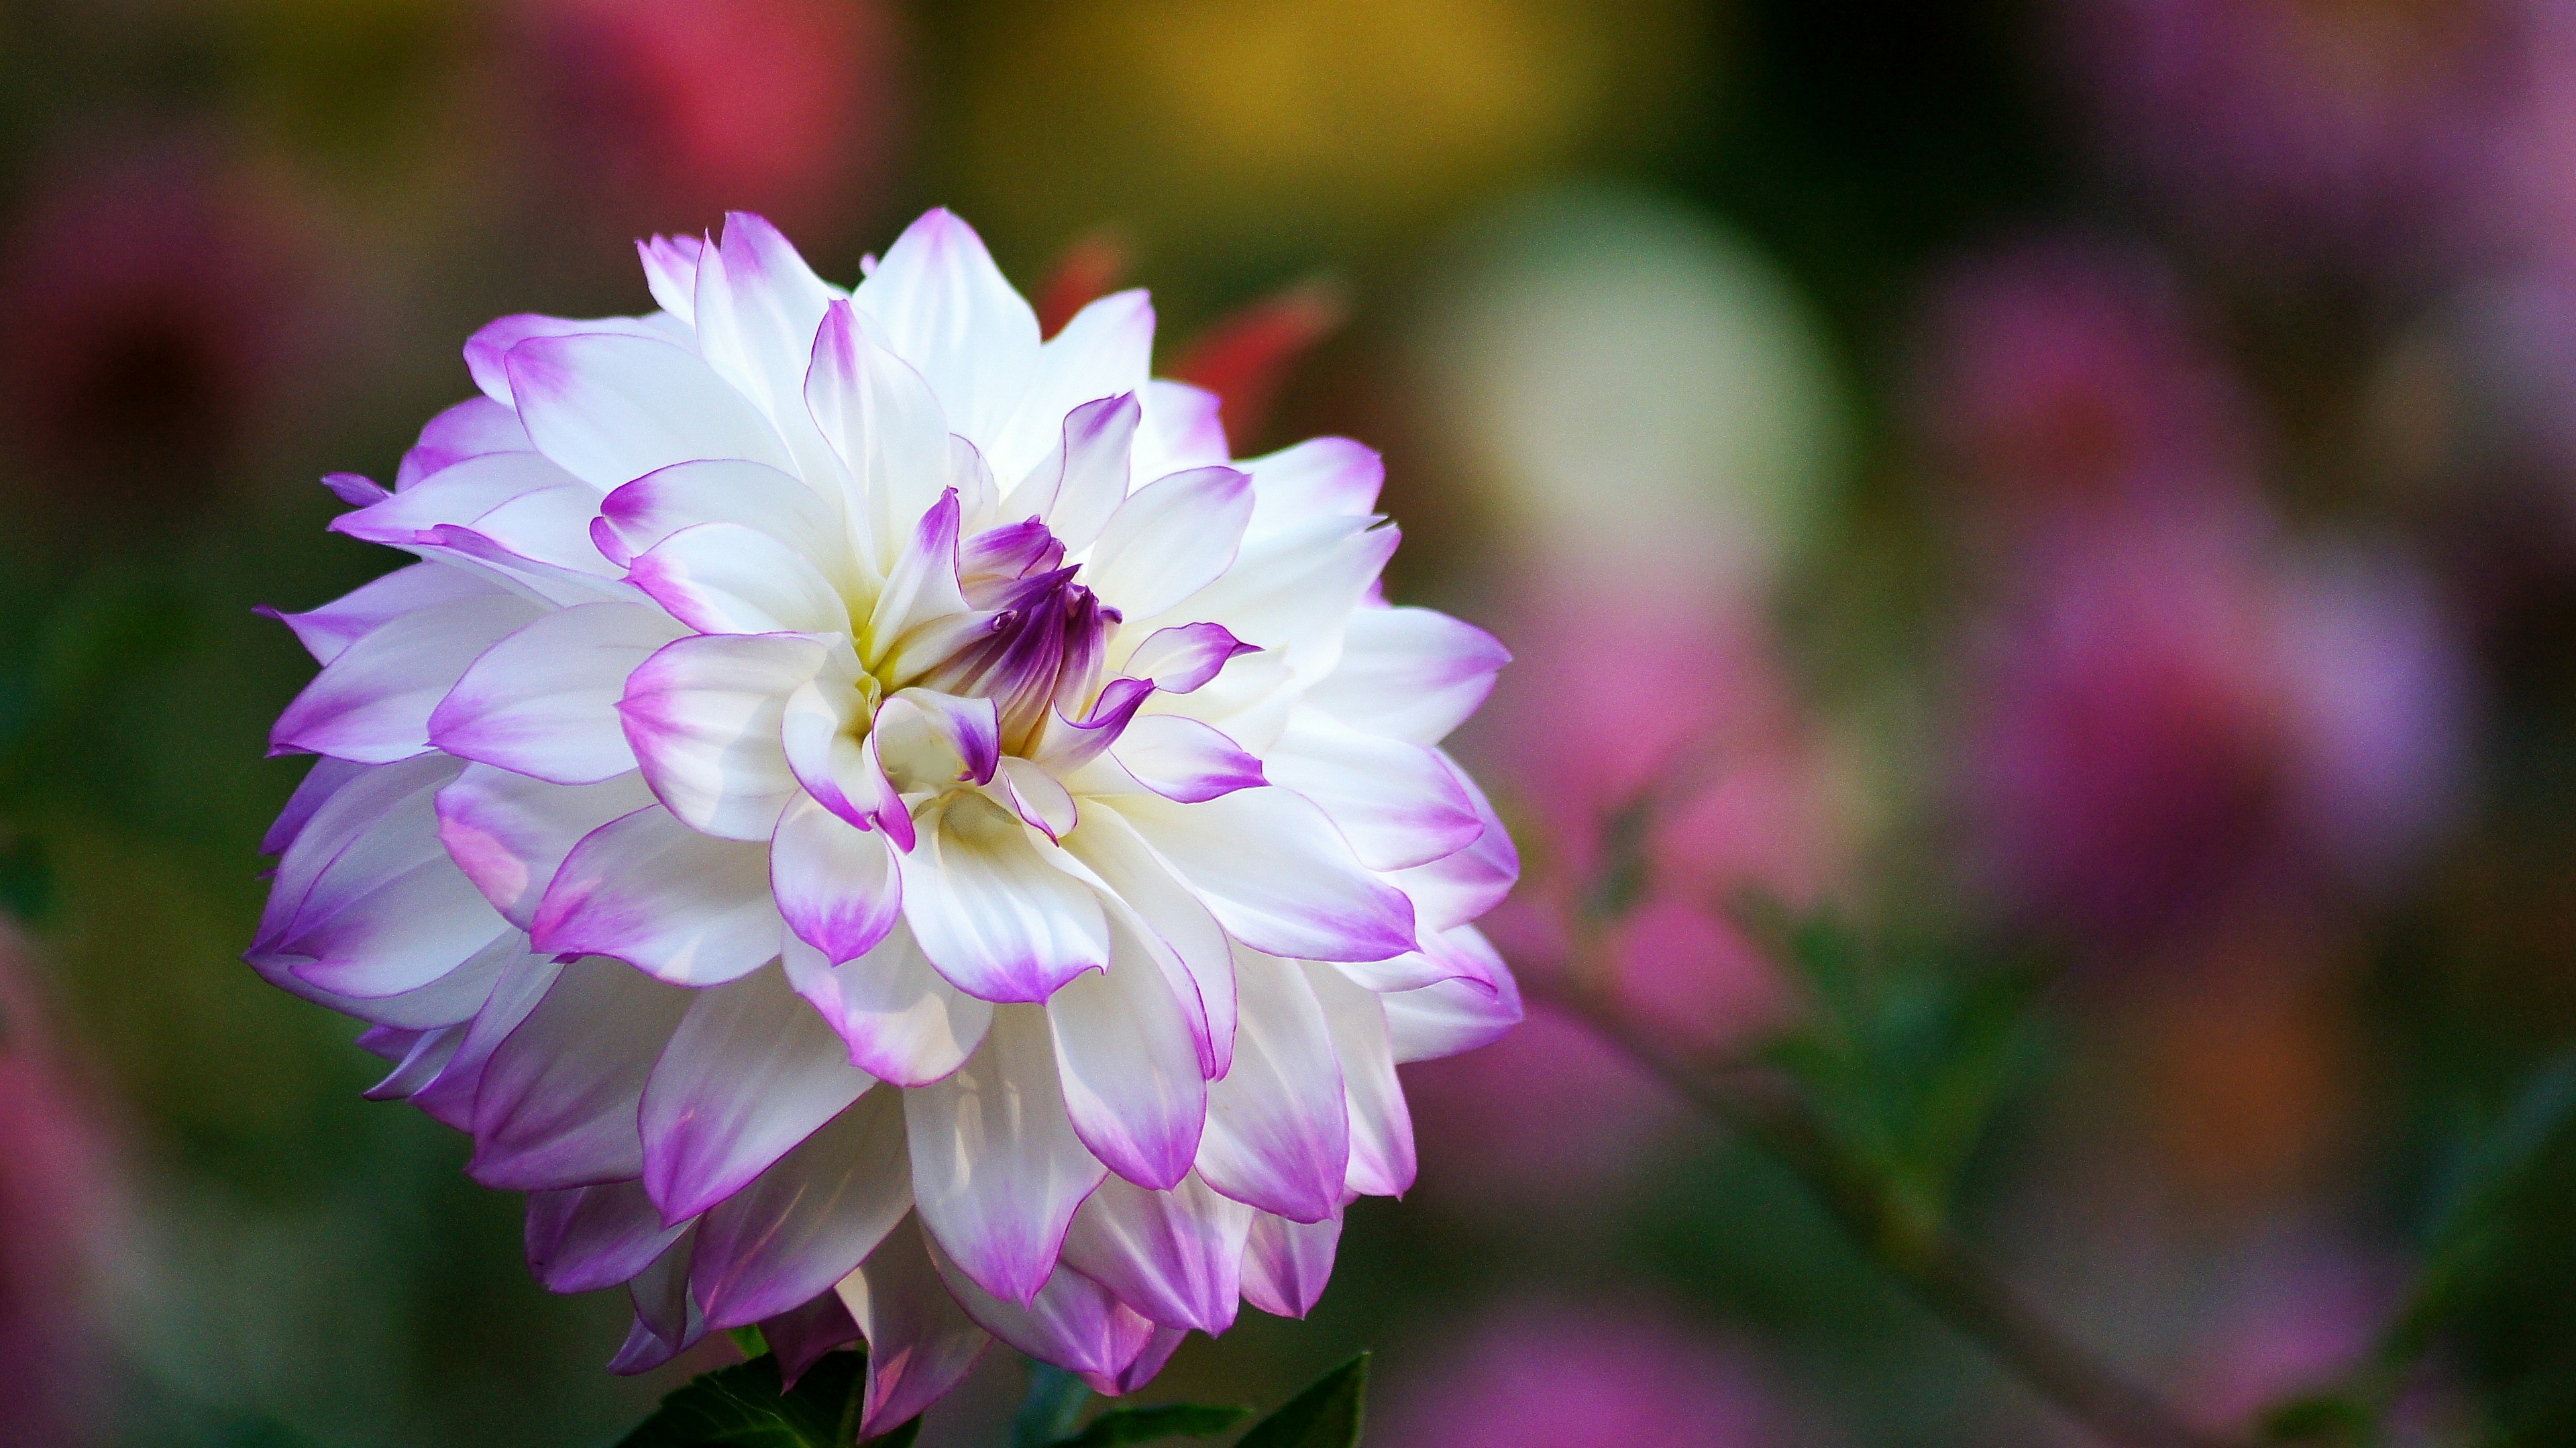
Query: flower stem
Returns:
{"type": "Point", "coordinates": [1934, 1266]}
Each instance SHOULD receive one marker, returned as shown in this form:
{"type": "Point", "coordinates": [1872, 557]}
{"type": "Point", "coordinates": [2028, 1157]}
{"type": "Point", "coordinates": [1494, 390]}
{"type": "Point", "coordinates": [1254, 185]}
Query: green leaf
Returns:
{"type": "Point", "coordinates": [1046, 1414]}
{"type": "Point", "coordinates": [1154, 1424]}
{"type": "Point", "coordinates": [1327, 1415]}
{"type": "Point", "coordinates": [2324, 1418]}
{"type": "Point", "coordinates": [742, 1407]}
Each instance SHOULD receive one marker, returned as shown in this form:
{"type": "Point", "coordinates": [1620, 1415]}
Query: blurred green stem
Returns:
{"type": "Point", "coordinates": [1054, 1400]}
{"type": "Point", "coordinates": [1934, 1265]}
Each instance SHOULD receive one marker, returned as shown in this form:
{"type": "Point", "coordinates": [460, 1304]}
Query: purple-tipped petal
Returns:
{"type": "Point", "coordinates": [749, 1073]}
{"type": "Point", "coordinates": [945, 308]}
{"type": "Point", "coordinates": [1287, 1264]}
{"type": "Point", "coordinates": [1324, 477]}
{"type": "Point", "coordinates": [1184, 760]}
{"type": "Point", "coordinates": [491, 344]}
{"type": "Point", "coordinates": [921, 1343]}
{"type": "Point", "coordinates": [801, 1335]}
{"type": "Point", "coordinates": [558, 1098]}
{"type": "Point", "coordinates": [1103, 351]}
{"type": "Point", "coordinates": [884, 423]}
{"type": "Point", "coordinates": [1196, 958]}
{"type": "Point", "coordinates": [1071, 1321]}
{"type": "Point", "coordinates": [725, 578]}
{"type": "Point", "coordinates": [992, 913]}
{"type": "Point", "coordinates": [667, 1320]}
{"type": "Point", "coordinates": [1382, 1160]}
{"type": "Point", "coordinates": [471, 428]}
{"type": "Point", "coordinates": [522, 983]}
{"type": "Point", "coordinates": [1175, 1256]}
{"type": "Point", "coordinates": [510, 833]}
{"type": "Point", "coordinates": [1398, 804]}
{"type": "Point", "coordinates": [1085, 479]}
{"type": "Point", "coordinates": [328, 630]}
{"type": "Point", "coordinates": [647, 889]}
{"type": "Point", "coordinates": [1001, 1212]}
{"type": "Point", "coordinates": [900, 1018]}
{"type": "Point", "coordinates": [836, 884]}
{"type": "Point", "coordinates": [927, 739]}
{"type": "Point", "coordinates": [704, 716]}
{"type": "Point", "coordinates": [1454, 1015]}
{"type": "Point", "coordinates": [609, 408]}
{"type": "Point", "coordinates": [1456, 888]}
{"type": "Point", "coordinates": [776, 505]}
{"type": "Point", "coordinates": [320, 782]}
{"type": "Point", "coordinates": [1130, 1066]}
{"type": "Point", "coordinates": [372, 702]}
{"type": "Point", "coordinates": [807, 1222]}
{"type": "Point", "coordinates": [1169, 539]}
{"type": "Point", "coordinates": [671, 272]}
{"type": "Point", "coordinates": [543, 701]}
{"type": "Point", "coordinates": [1410, 673]}
{"type": "Point", "coordinates": [1278, 1132]}
{"type": "Point", "coordinates": [1181, 659]}
{"type": "Point", "coordinates": [1271, 866]}
{"type": "Point", "coordinates": [581, 1239]}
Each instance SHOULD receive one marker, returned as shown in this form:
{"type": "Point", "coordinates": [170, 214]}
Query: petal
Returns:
{"type": "Point", "coordinates": [558, 1098]}
{"type": "Point", "coordinates": [647, 889]}
{"type": "Point", "coordinates": [1451, 956]}
{"type": "Point", "coordinates": [521, 984]}
{"type": "Point", "coordinates": [1457, 888]}
{"type": "Point", "coordinates": [1382, 1161]}
{"type": "Point", "coordinates": [372, 702]}
{"type": "Point", "coordinates": [667, 1320]}
{"type": "Point", "coordinates": [802, 1334]}
{"type": "Point", "coordinates": [836, 884]}
{"type": "Point", "coordinates": [756, 306]}
{"type": "Point", "coordinates": [704, 716]}
{"type": "Point", "coordinates": [1085, 479]}
{"type": "Point", "coordinates": [320, 782]}
{"type": "Point", "coordinates": [1105, 350]}
{"type": "Point", "coordinates": [610, 409]}
{"type": "Point", "coordinates": [749, 1073]}
{"type": "Point", "coordinates": [1277, 874]}
{"type": "Point", "coordinates": [1184, 760]}
{"type": "Point", "coordinates": [486, 350]}
{"type": "Point", "coordinates": [1454, 1015]}
{"type": "Point", "coordinates": [327, 630]}
{"type": "Point", "coordinates": [1278, 1133]}
{"type": "Point", "coordinates": [1039, 797]}
{"type": "Point", "coordinates": [1323, 477]}
{"type": "Point", "coordinates": [923, 589]}
{"type": "Point", "coordinates": [920, 1341]}
{"type": "Point", "coordinates": [901, 1020]}
{"type": "Point", "coordinates": [671, 271]}
{"type": "Point", "coordinates": [543, 701]}
{"type": "Point", "coordinates": [581, 1239]}
{"type": "Point", "coordinates": [1130, 1066]}
{"type": "Point", "coordinates": [1183, 428]}
{"type": "Point", "coordinates": [1169, 539]}
{"type": "Point", "coordinates": [946, 309]}
{"type": "Point", "coordinates": [1410, 673]}
{"type": "Point", "coordinates": [1072, 1322]}
{"type": "Point", "coordinates": [550, 527]}
{"type": "Point", "coordinates": [991, 913]}
{"type": "Point", "coordinates": [1286, 1264]}
{"type": "Point", "coordinates": [1294, 591]}
{"type": "Point", "coordinates": [1398, 804]}
{"type": "Point", "coordinates": [510, 833]}
{"type": "Point", "coordinates": [724, 490]}
{"type": "Point", "coordinates": [1197, 959]}
{"type": "Point", "coordinates": [471, 428]}
{"type": "Point", "coordinates": [809, 1220]}
{"type": "Point", "coordinates": [883, 421]}
{"type": "Point", "coordinates": [725, 578]}
{"type": "Point", "coordinates": [926, 739]}
{"type": "Point", "coordinates": [1174, 1256]}
{"type": "Point", "coordinates": [997, 1169]}
{"type": "Point", "coordinates": [1181, 659]}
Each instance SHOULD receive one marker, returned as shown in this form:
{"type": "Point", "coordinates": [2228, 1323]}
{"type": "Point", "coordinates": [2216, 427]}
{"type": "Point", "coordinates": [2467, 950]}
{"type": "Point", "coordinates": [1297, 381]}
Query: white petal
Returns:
{"type": "Point", "coordinates": [756, 306]}
{"type": "Point", "coordinates": [920, 1342]}
{"type": "Point", "coordinates": [558, 1098]}
{"type": "Point", "coordinates": [1278, 1132]}
{"type": "Point", "coordinates": [647, 889]}
{"type": "Point", "coordinates": [1197, 959]}
{"type": "Point", "coordinates": [996, 918]}
{"type": "Point", "coordinates": [704, 716]}
{"type": "Point", "coordinates": [809, 1220]}
{"type": "Point", "coordinates": [881, 417]}
{"type": "Point", "coordinates": [997, 1169]}
{"type": "Point", "coordinates": [1397, 803]}
{"type": "Point", "coordinates": [661, 503]}
{"type": "Point", "coordinates": [610, 409]}
{"type": "Point", "coordinates": [1454, 1015]}
{"type": "Point", "coordinates": [900, 1019]}
{"type": "Point", "coordinates": [1286, 1264]}
{"type": "Point", "coordinates": [1277, 874]}
{"type": "Point", "coordinates": [1169, 539]}
{"type": "Point", "coordinates": [543, 701]}
{"type": "Point", "coordinates": [1293, 591]}
{"type": "Point", "coordinates": [510, 833]}
{"type": "Point", "coordinates": [727, 578]}
{"type": "Point", "coordinates": [1130, 1065]}
{"type": "Point", "coordinates": [1103, 352]}
{"type": "Point", "coordinates": [1382, 1161]}
{"type": "Point", "coordinates": [750, 1072]}
{"type": "Point", "coordinates": [372, 703]}
{"type": "Point", "coordinates": [1323, 477]}
{"type": "Point", "coordinates": [1174, 1256]}
{"type": "Point", "coordinates": [1410, 673]}
{"type": "Point", "coordinates": [946, 310]}
{"type": "Point", "coordinates": [328, 630]}
{"type": "Point", "coordinates": [836, 883]}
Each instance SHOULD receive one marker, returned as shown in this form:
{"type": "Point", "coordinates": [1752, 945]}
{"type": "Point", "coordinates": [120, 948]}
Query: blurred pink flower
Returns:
{"type": "Point", "coordinates": [665, 114]}
{"type": "Point", "coordinates": [54, 1198]}
{"type": "Point", "coordinates": [2066, 369]}
{"type": "Point", "coordinates": [1550, 1113]}
{"type": "Point", "coordinates": [2288, 132]}
{"type": "Point", "coordinates": [150, 321]}
{"type": "Point", "coordinates": [2298, 1320]}
{"type": "Point", "coordinates": [1558, 1375]}
{"type": "Point", "coordinates": [2168, 711]}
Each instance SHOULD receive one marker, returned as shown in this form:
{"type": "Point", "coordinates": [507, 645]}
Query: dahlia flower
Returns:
{"type": "Point", "coordinates": [882, 827]}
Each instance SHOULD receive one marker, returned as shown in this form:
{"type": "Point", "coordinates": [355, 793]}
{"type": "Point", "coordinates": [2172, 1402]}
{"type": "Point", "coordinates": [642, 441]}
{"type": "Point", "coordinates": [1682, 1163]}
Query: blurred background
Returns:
{"type": "Point", "coordinates": [2074, 499]}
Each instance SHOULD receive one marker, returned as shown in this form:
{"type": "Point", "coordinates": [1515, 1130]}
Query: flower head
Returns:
{"type": "Point", "coordinates": [882, 826]}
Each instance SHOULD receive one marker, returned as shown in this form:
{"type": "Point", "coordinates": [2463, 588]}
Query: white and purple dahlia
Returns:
{"type": "Point", "coordinates": [882, 827]}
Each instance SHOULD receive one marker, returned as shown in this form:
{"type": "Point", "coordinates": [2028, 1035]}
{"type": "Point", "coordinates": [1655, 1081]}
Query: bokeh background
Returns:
{"type": "Point", "coordinates": [2078, 487]}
